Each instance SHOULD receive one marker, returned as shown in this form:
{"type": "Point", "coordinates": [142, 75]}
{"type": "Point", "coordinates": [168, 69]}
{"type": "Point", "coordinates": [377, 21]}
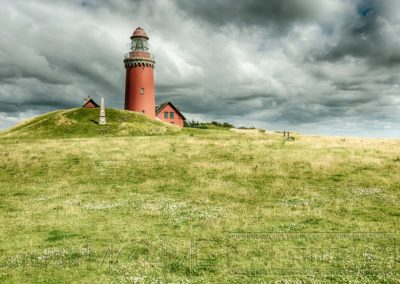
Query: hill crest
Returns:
{"type": "Point", "coordinates": [83, 122]}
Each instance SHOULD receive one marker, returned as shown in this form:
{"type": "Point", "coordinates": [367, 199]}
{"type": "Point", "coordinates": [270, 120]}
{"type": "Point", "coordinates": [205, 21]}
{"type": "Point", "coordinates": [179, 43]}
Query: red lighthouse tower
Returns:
{"type": "Point", "coordinates": [139, 86]}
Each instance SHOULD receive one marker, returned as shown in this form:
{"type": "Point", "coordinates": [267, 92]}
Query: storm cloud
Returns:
{"type": "Point", "coordinates": [318, 67]}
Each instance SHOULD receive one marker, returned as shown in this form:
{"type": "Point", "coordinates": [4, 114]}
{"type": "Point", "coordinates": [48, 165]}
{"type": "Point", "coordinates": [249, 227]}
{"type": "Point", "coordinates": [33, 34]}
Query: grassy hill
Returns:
{"type": "Point", "coordinates": [201, 206]}
{"type": "Point", "coordinates": [83, 122]}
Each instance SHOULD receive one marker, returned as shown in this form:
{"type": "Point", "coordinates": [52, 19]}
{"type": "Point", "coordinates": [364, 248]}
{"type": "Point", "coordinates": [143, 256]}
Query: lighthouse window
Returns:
{"type": "Point", "coordinates": [171, 115]}
{"type": "Point", "coordinates": [142, 91]}
{"type": "Point", "coordinates": [145, 45]}
{"type": "Point", "coordinates": [165, 114]}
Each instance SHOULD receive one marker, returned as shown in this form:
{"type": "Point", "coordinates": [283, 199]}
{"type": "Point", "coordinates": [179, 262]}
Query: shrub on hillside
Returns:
{"type": "Point", "coordinates": [208, 125]}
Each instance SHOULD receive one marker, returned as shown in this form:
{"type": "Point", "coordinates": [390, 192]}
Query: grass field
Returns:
{"type": "Point", "coordinates": [194, 205]}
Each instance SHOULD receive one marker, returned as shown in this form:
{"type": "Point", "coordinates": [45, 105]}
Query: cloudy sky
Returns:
{"type": "Point", "coordinates": [317, 67]}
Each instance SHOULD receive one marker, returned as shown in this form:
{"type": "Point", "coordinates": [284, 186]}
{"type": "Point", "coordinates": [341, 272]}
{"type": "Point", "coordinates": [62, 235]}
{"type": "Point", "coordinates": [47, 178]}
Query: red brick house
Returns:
{"type": "Point", "coordinates": [169, 113]}
{"type": "Point", "coordinates": [90, 103]}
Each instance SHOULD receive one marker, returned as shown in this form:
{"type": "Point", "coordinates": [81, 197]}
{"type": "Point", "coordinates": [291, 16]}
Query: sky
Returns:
{"type": "Point", "coordinates": [326, 67]}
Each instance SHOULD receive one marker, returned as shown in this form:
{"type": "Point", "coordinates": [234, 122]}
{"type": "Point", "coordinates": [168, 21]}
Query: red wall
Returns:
{"type": "Point", "coordinates": [177, 120]}
{"type": "Point", "coordinates": [137, 78]}
{"type": "Point", "coordinates": [89, 105]}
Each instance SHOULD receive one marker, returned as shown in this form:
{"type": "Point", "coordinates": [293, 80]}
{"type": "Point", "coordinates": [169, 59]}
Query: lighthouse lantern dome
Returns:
{"type": "Point", "coordinates": [139, 40]}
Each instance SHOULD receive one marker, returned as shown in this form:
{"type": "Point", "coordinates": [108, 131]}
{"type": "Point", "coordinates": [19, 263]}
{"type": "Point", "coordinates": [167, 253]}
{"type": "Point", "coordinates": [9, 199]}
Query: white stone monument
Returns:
{"type": "Point", "coordinates": [102, 119]}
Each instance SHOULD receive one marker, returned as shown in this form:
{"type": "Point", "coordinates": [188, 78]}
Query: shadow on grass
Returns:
{"type": "Point", "coordinates": [56, 235]}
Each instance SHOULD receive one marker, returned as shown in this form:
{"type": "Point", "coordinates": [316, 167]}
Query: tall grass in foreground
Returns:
{"type": "Point", "coordinates": [199, 207]}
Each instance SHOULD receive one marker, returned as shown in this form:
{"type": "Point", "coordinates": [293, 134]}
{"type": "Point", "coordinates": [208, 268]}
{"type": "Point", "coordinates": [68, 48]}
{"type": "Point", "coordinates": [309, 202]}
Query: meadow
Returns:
{"type": "Point", "coordinates": [195, 206]}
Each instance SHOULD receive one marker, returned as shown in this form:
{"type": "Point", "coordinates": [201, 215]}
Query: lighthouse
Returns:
{"type": "Point", "coordinates": [139, 85]}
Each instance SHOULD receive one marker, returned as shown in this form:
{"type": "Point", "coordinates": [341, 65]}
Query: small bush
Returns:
{"type": "Point", "coordinates": [208, 125]}
{"type": "Point", "coordinates": [244, 127]}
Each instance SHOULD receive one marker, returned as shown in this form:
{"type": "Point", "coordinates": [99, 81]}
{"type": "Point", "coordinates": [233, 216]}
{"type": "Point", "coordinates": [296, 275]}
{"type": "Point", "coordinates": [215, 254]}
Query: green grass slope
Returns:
{"type": "Point", "coordinates": [83, 122]}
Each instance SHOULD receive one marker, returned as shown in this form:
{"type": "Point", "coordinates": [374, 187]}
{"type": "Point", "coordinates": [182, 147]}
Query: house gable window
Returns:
{"type": "Point", "coordinates": [166, 114]}
{"type": "Point", "coordinates": [171, 115]}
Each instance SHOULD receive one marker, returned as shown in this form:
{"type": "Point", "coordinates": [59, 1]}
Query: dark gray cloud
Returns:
{"type": "Point", "coordinates": [277, 13]}
{"type": "Point", "coordinates": [328, 67]}
{"type": "Point", "coordinates": [371, 33]}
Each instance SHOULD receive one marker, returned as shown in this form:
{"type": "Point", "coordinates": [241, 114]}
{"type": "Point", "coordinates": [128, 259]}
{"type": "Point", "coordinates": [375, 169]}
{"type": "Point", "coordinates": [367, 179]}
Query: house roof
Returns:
{"type": "Point", "coordinates": [88, 100]}
{"type": "Point", "coordinates": [160, 107]}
